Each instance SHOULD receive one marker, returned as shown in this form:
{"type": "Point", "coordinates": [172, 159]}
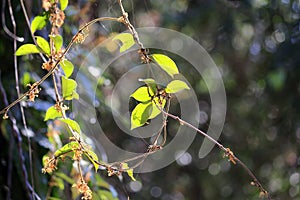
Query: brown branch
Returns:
{"type": "Point", "coordinates": [124, 19]}
{"type": "Point", "coordinates": [36, 84]}
{"type": "Point", "coordinates": [18, 93]}
{"type": "Point", "coordinates": [227, 153]}
{"type": "Point", "coordinates": [6, 30]}
{"type": "Point", "coordinates": [28, 25]}
{"type": "Point", "coordinates": [17, 134]}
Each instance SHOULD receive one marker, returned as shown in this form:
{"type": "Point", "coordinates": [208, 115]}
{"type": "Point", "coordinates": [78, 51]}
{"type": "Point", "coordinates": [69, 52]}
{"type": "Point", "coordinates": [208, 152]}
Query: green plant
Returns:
{"type": "Point", "coordinates": [152, 98]}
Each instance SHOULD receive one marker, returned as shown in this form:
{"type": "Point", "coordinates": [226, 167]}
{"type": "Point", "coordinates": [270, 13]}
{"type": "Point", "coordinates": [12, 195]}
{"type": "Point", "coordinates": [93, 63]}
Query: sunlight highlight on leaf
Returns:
{"type": "Point", "coordinates": [67, 67]}
{"type": "Point", "coordinates": [151, 84]}
{"type": "Point", "coordinates": [27, 49]}
{"type": "Point", "coordinates": [140, 114]}
{"type": "Point", "coordinates": [73, 124]}
{"type": "Point", "coordinates": [39, 22]}
{"type": "Point", "coordinates": [126, 39]}
{"type": "Point", "coordinates": [66, 148]}
{"type": "Point", "coordinates": [43, 44]}
{"type": "Point", "coordinates": [156, 103]}
{"type": "Point", "coordinates": [176, 86]}
{"type": "Point", "coordinates": [93, 158]}
{"type": "Point", "coordinates": [142, 94]}
{"type": "Point", "coordinates": [52, 113]}
{"type": "Point", "coordinates": [128, 171]}
{"type": "Point", "coordinates": [69, 88]}
{"type": "Point", "coordinates": [63, 4]}
{"type": "Point", "coordinates": [166, 63]}
{"type": "Point", "coordinates": [58, 41]}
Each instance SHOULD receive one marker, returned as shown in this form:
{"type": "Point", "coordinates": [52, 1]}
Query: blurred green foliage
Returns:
{"type": "Point", "coordinates": [255, 44]}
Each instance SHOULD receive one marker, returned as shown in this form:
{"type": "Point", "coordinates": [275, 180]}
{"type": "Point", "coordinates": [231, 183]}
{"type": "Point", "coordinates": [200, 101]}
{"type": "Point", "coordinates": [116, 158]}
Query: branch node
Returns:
{"type": "Point", "coordinates": [5, 116]}
{"type": "Point", "coordinates": [229, 154]}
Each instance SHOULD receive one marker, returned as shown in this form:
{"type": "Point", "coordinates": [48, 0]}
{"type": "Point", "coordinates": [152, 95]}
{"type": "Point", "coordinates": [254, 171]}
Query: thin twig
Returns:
{"type": "Point", "coordinates": [18, 93]}
{"type": "Point", "coordinates": [131, 28]}
{"type": "Point", "coordinates": [36, 84]}
{"type": "Point", "coordinates": [227, 152]}
{"type": "Point", "coordinates": [17, 134]}
{"type": "Point", "coordinates": [6, 30]}
{"type": "Point", "coordinates": [80, 171]}
{"type": "Point", "coordinates": [9, 167]}
{"type": "Point", "coordinates": [28, 25]}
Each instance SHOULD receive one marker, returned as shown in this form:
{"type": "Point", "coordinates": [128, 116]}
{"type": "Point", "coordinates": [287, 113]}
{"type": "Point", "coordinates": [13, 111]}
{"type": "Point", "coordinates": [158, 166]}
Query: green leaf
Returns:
{"type": "Point", "coordinates": [68, 67]}
{"type": "Point", "coordinates": [64, 177]}
{"type": "Point", "coordinates": [43, 44]}
{"type": "Point", "coordinates": [93, 158]}
{"type": "Point", "coordinates": [73, 124]}
{"type": "Point", "coordinates": [69, 88]}
{"type": "Point", "coordinates": [66, 148]}
{"type": "Point", "coordinates": [140, 114]}
{"type": "Point", "coordinates": [142, 94]}
{"type": "Point", "coordinates": [39, 22]}
{"type": "Point", "coordinates": [166, 63]}
{"type": "Point", "coordinates": [150, 83]}
{"type": "Point", "coordinates": [100, 182]}
{"type": "Point", "coordinates": [155, 109]}
{"type": "Point", "coordinates": [26, 78]}
{"type": "Point", "coordinates": [54, 198]}
{"type": "Point", "coordinates": [52, 113]}
{"type": "Point", "coordinates": [45, 159]}
{"type": "Point", "coordinates": [57, 40]}
{"type": "Point", "coordinates": [27, 49]}
{"type": "Point", "coordinates": [105, 195]}
{"type": "Point", "coordinates": [63, 4]}
{"type": "Point", "coordinates": [58, 182]}
{"type": "Point", "coordinates": [128, 171]}
{"type": "Point", "coordinates": [126, 39]}
{"type": "Point", "coordinates": [175, 86]}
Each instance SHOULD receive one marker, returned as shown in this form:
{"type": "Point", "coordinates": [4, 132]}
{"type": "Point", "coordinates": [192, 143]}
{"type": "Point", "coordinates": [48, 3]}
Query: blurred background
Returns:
{"type": "Point", "coordinates": [254, 43]}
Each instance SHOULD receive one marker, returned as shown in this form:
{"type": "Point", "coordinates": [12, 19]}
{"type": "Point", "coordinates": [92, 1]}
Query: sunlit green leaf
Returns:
{"type": "Point", "coordinates": [43, 44]}
{"type": "Point", "coordinates": [52, 113]}
{"type": "Point", "coordinates": [27, 49]}
{"type": "Point", "coordinates": [166, 63]}
{"type": "Point", "coordinates": [140, 114]}
{"type": "Point", "coordinates": [93, 158]}
{"type": "Point", "coordinates": [73, 124]}
{"type": "Point", "coordinates": [67, 66]}
{"type": "Point", "coordinates": [66, 148]}
{"type": "Point", "coordinates": [58, 41]}
{"type": "Point", "coordinates": [39, 22]}
{"type": "Point", "coordinates": [69, 88]}
{"type": "Point", "coordinates": [142, 94]}
{"type": "Point", "coordinates": [126, 39]}
{"type": "Point", "coordinates": [128, 171]}
{"type": "Point", "coordinates": [150, 83]}
{"type": "Point", "coordinates": [156, 104]}
{"type": "Point", "coordinates": [63, 4]}
{"type": "Point", "coordinates": [175, 86]}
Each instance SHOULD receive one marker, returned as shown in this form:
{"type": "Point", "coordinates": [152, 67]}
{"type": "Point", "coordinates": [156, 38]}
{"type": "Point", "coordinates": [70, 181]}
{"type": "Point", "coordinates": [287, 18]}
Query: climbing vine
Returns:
{"type": "Point", "coordinates": [152, 100]}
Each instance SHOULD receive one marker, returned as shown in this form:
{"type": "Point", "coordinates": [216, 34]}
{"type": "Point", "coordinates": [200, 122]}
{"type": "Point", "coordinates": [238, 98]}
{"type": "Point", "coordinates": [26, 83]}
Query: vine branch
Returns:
{"type": "Point", "coordinates": [227, 153]}
{"type": "Point", "coordinates": [79, 33]}
{"type": "Point", "coordinates": [17, 134]}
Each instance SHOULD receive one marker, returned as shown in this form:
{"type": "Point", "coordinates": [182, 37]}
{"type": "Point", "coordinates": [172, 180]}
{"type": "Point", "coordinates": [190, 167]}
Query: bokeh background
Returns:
{"type": "Point", "coordinates": [254, 43]}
